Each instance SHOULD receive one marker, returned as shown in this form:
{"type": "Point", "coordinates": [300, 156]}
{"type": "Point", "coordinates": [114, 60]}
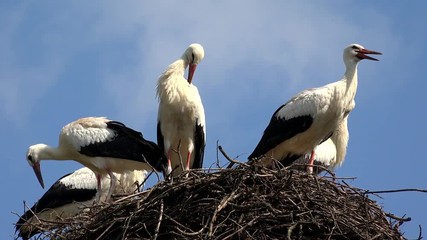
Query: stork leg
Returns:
{"type": "Point", "coordinates": [311, 163]}
{"type": "Point", "coordinates": [169, 165]}
{"type": "Point", "coordinates": [113, 181]}
{"type": "Point", "coordinates": [187, 163]}
{"type": "Point", "coordinates": [98, 189]}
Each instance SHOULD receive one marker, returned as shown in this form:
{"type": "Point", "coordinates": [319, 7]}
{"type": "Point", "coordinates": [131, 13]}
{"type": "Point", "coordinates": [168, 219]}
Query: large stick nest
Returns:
{"type": "Point", "coordinates": [248, 202]}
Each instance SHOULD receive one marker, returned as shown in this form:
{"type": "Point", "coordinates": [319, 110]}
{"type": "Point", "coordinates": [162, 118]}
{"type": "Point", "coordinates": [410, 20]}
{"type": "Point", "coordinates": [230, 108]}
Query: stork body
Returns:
{"type": "Point", "coordinates": [102, 145]}
{"type": "Point", "coordinates": [73, 193]}
{"type": "Point", "coordinates": [311, 116]}
{"type": "Point", "coordinates": [331, 153]}
{"type": "Point", "coordinates": [181, 131]}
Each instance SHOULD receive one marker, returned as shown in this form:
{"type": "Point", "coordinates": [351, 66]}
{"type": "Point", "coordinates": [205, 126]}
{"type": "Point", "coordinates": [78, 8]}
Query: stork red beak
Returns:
{"type": "Point", "coordinates": [362, 52]}
{"type": "Point", "coordinates": [191, 71]}
{"type": "Point", "coordinates": [36, 168]}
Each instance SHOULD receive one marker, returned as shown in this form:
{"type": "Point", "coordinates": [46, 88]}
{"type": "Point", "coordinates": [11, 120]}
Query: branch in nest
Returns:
{"type": "Point", "coordinates": [397, 190]}
{"type": "Point", "coordinates": [400, 219]}
{"type": "Point", "coordinates": [156, 233]}
{"type": "Point", "coordinates": [232, 161]}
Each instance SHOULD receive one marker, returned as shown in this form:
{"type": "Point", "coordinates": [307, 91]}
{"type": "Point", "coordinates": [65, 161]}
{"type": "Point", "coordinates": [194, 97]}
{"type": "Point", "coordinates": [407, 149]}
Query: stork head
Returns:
{"type": "Point", "coordinates": [34, 160]}
{"type": "Point", "coordinates": [193, 55]}
{"type": "Point", "coordinates": [355, 52]}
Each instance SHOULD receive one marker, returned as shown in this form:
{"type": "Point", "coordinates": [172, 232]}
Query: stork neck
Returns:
{"type": "Point", "coordinates": [171, 78]}
{"type": "Point", "coordinates": [351, 69]}
{"type": "Point", "coordinates": [52, 153]}
{"type": "Point", "coordinates": [176, 68]}
{"type": "Point", "coordinates": [350, 79]}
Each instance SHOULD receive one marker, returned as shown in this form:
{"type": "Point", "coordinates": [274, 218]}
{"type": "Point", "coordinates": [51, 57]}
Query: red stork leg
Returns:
{"type": "Point", "coordinates": [311, 163]}
{"type": "Point", "coordinates": [187, 164]}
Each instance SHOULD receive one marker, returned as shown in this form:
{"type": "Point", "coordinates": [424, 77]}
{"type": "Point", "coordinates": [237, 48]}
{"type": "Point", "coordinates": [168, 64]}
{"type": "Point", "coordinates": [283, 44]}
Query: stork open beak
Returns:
{"type": "Point", "coordinates": [36, 168]}
{"type": "Point", "coordinates": [361, 54]}
{"type": "Point", "coordinates": [191, 71]}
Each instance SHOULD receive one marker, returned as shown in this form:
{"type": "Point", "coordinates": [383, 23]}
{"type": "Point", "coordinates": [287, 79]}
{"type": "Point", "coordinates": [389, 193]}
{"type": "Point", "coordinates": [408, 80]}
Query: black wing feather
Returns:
{"type": "Point", "coordinates": [160, 140]}
{"type": "Point", "coordinates": [56, 196]}
{"type": "Point", "coordinates": [127, 144]}
{"type": "Point", "coordinates": [199, 146]}
{"type": "Point", "coordinates": [279, 130]}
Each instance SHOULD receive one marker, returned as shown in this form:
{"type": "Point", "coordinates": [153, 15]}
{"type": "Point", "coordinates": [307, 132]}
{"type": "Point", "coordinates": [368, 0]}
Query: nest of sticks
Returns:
{"type": "Point", "coordinates": [247, 202]}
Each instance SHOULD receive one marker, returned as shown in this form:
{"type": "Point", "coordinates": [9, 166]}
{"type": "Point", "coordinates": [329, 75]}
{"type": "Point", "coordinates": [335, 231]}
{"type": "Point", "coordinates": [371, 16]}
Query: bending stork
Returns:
{"type": "Point", "coordinates": [102, 145]}
{"type": "Point", "coordinates": [311, 116]}
{"type": "Point", "coordinates": [181, 131]}
{"type": "Point", "coordinates": [71, 194]}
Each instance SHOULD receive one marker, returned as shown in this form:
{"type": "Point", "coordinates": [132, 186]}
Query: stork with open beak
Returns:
{"type": "Point", "coordinates": [311, 116]}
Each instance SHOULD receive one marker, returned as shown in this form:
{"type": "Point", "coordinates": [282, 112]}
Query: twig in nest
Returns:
{"type": "Point", "coordinates": [221, 205]}
{"type": "Point", "coordinates": [178, 151]}
{"type": "Point", "coordinates": [156, 233]}
{"type": "Point", "coordinates": [290, 229]}
{"type": "Point", "coordinates": [141, 186]}
{"type": "Point", "coordinates": [127, 223]}
{"type": "Point", "coordinates": [106, 231]}
{"type": "Point", "coordinates": [217, 155]}
{"type": "Point", "coordinates": [400, 219]}
{"type": "Point", "coordinates": [397, 190]}
{"type": "Point", "coordinates": [242, 228]}
{"type": "Point", "coordinates": [232, 161]}
{"type": "Point", "coordinates": [152, 170]}
{"type": "Point", "coordinates": [179, 225]}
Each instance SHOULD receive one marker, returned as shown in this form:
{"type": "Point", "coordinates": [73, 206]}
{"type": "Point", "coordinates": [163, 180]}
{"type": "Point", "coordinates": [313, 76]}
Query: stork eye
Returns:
{"type": "Point", "coordinates": [30, 158]}
{"type": "Point", "coordinates": [355, 47]}
{"type": "Point", "coordinates": [192, 57]}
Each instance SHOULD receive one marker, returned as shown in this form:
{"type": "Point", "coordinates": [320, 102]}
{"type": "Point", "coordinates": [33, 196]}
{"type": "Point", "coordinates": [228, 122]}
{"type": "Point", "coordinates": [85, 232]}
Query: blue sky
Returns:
{"type": "Point", "coordinates": [63, 61]}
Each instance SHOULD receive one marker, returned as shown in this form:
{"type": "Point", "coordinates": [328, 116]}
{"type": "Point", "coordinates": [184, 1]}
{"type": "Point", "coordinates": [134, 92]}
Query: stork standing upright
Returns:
{"type": "Point", "coordinates": [104, 146]}
{"type": "Point", "coordinates": [311, 116]}
{"type": "Point", "coordinates": [71, 194]}
{"type": "Point", "coordinates": [181, 131]}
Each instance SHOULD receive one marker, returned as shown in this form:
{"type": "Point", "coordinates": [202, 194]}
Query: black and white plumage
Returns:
{"type": "Point", "coordinates": [181, 116]}
{"type": "Point", "coordinates": [330, 153]}
{"type": "Point", "coordinates": [102, 145]}
{"type": "Point", "coordinates": [311, 116]}
{"type": "Point", "coordinates": [73, 193]}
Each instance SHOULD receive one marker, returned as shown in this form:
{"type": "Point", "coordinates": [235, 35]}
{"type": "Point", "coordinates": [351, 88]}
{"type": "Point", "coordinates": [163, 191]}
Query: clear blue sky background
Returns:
{"type": "Point", "coordinates": [60, 61]}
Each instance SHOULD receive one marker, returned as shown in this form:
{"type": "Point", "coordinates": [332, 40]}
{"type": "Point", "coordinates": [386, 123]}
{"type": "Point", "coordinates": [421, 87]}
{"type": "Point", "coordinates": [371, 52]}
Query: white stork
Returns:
{"type": "Point", "coordinates": [331, 153]}
{"type": "Point", "coordinates": [311, 116]}
{"type": "Point", "coordinates": [73, 193]}
{"type": "Point", "coordinates": [181, 131]}
{"type": "Point", "coordinates": [104, 146]}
